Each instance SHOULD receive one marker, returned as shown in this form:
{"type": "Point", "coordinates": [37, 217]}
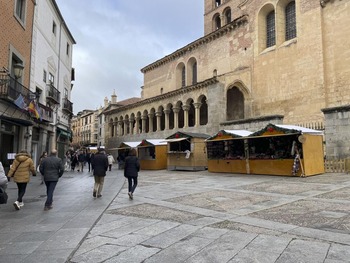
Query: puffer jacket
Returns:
{"type": "Point", "coordinates": [21, 168]}
{"type": "Point", "coordinates": [51, 168]}
{"type": "Point", "coordinates": [132, 166]}
{"type": "Point", "coordinates": [100, 164]}
{"type": "Point", "coordinates": [3, 178]}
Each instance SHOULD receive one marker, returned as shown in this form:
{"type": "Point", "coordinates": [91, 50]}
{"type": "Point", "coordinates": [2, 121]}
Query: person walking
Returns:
{"type": "Point", "coordinates": [81, 160]}
{"type": "Point", "coordinates": [74, 161]}
{"type": "Point", "coordinates": [52, 168]}
{"type": "Point", "coordinates": [43, 155]}
{"type": "Point", "coordinates": [131, 169]}
{"type": "Point", "coordinates": [3, 185]}
{"type": "Point", "coordinates": [21, 168]}
{"type": "Point", "coordinates": [100, 164]}
{"type": "Point", "coordinates": [88, 159]}
{"type": "Point", "coordinates": [110, 161]}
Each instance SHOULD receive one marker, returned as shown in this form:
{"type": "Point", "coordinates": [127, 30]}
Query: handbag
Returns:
{"type": "Point", "coordinates": [3, 196]}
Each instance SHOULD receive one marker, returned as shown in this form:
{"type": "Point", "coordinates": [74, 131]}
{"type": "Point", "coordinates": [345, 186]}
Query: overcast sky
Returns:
{"type": "Point", "coordinates": [116, 38]}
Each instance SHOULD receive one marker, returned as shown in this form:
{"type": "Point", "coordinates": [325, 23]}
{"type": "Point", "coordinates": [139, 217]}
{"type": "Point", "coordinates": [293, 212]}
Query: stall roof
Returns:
{"type": "Point", "coordinates": [126, 145]}
{"type": "Point", "coordinates": [188, 135]}
{"type": "Point", "coordinates": [153, 142]}
{"type": "Point", "coordinates": [278, 129]}
{"type": "Point", "coordinates": [176, 139]}
{"type": "Point", "coordinates": [228, 134]}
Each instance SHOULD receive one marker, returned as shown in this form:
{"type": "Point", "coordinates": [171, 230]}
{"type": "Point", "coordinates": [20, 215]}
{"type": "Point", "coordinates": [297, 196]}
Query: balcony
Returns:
{"type": "Point", "coordinates": [46, 113]}
{"type": "Point", "coordinates": [10, 89]}
{"type": "Point", "coordinates": [67, 106]}
{"type": "Point", "coordinates": [52, 94]}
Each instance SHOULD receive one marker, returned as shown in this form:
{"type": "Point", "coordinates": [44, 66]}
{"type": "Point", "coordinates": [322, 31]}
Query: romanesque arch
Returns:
{"type": "Point", "coordinates": [234, 104]}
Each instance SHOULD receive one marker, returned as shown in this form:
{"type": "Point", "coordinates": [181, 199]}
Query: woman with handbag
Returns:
{"type": "Point", "coordinates": [20, 170]}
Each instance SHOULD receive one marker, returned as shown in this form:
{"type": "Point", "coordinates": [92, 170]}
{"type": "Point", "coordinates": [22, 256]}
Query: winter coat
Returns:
{"type": "Point", "coordinates": [110, 159]}
{"type": "Point", "coordinates": [3, 177]}
{"type": "Point", "coordinates": [100, 164]}
{"type": "Point", "coordinates": [131, 167]}
{"type": "Point", "coordinates": [52, 168]}
{"type": "Point", "coordinates": [81, 157]}
{"type": "Point", "coordinates": [21, 168]}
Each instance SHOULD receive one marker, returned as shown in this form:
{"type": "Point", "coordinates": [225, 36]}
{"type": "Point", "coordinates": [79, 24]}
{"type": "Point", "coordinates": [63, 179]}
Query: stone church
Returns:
{"type": "Point", "coordinates": [259, 62]}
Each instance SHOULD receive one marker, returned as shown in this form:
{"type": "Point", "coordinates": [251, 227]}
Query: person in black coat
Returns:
{"type": "Point", "coordinates": [131, 169]}
{"type": "Point", "coordinates": [100, 166]}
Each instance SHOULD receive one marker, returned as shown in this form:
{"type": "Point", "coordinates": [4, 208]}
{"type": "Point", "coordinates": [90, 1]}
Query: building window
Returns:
{"type": "Point", "coordinates": [291, 28]}
{"type": "Point", "coordinates": [54, 27]}
{"type": "Point", "coordinates": [51, 79]}
{"type": "Point", "coordinates": [217, 22]}
{"type": "Point", "coordinates": [20, 9]}
{"type": "Point", "coordinates": [44, 75]}
{"type": "Point", "coordinates": [161, 90]}
{"type": "Point", "coordinates": [217, 3]}
{"type": "Point", "coordinates": [65, 93]}
{"type": "Point", "coordinates": [68, 47]}
{"type": "Point", "coordinates": [228, 16]}
{"type": "Point", "coordinates": [270, 29]}
{"type": "Point", "coordinates": [194, 73]}
{"type": "Point", "coordinates": [183, 77]}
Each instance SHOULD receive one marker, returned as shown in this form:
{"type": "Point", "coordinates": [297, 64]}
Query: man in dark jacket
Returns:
{"type": "Point", "coordinates": [51, 168]}
{"type": "Point", "coordinates": [100, 166]}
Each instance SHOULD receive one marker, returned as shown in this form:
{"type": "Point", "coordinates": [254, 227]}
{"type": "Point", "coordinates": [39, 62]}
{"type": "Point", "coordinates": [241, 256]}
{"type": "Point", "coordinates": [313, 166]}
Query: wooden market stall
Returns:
{"type": "Point", "coordinates": [226, 151]}
{"type": "Point", "coordinates": [275, 150]}
{"type": "Point", "coordinates": [123, 151]}
{"type": "Point", "coordinates": [152, 154]}
{"type": "Point", "coordinates": [186, 151]}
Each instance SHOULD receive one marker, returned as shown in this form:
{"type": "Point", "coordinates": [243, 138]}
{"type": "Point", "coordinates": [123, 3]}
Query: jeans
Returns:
{"type": "Point", "coordinates": [21, 191]}
{"type": "Point", "coordinates": [50, 188]}
{"type": "Point", "coordinates": [132, 186]}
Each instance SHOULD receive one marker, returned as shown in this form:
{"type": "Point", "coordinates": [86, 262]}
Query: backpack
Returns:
{"type": "Point", "coordinates": [3, 196]}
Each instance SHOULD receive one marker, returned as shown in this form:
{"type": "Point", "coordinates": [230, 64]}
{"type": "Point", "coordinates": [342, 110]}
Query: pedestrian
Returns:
{"type": "Point", "coordinates": [74, 160]}
{"type": "Point", "coordinates": [21, 168]}
{"type": "Point", "coordinates": [131, 169]}
{"type": "Point", "coordinates": [52, 168]}
{"type": "Point", "coordinates": [43, 155]}
{"type": "Point", "coordinates": [88, 159]}
{"type": "Point", "coordinates": [81, 160]}
{"type": "Point", "coordinates": [110, 161]}
{"type": "Point", "coordinates": [3, 185]}
{"type": "Point", "coordinates": [100, 164]}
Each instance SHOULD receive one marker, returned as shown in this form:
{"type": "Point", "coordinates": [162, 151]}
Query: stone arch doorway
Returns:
{"type": "Point", "coordinates": [234, 104]}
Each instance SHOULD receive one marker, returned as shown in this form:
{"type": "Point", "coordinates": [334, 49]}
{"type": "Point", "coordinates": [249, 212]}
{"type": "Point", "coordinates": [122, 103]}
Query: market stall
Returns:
{"type": "Point", "coordinates": [226, 151]}
{"type": "Point", "coordinates": [152, 154]}
{"type": "Point", "coordinates": [186, 151]}
{"type": "Point", "coordinates": [286, 150]}
{"type": "Point", "coordinates": [275, 150]}
{"type": "Point", "coordinates": [123, 152]}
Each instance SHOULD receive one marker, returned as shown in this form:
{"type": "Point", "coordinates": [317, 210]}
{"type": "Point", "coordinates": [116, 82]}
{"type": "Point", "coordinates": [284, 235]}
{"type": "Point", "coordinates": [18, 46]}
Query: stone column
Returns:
{"type": "Point", "coordinates": [166, 112]}
{"type": "Point", "coordinates": [150, 122]}
{"type": "Point", "coordinates": [144, 118]}
{"type": "Point", "coordinates": [131, 128]}
{"type": "Point", "coordinates": [197, 107]}
{"type": "Point", "coordinates": [114, 129]}
{"type": "Point", "coordinates": [176, 117]}
{"type": "Point", "coordinates": [186, 108]}
{"type": "Point", "coordinates": [126, 123]}
{"type": "Point", "coordinates": [137, 124]}
{"type": "Point", "coordinates": [158, 115]}
{"type": "Point", "coordinates": [120, 128]}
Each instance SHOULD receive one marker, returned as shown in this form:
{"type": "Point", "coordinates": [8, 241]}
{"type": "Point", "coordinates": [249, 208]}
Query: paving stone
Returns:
{"type": "Point", "coordinates": [157, 228]}
{"type": "Point", "coordinates": [99, 254]}
{"type": "Point", "coordinates": [338, 253]}
{"type": "Point", "coordinates": [134, 254]}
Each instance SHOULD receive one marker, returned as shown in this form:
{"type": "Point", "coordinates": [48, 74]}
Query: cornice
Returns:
{"type": "Point", "coordinates": [164, 96]}
{"type": "Point", "coordinates": [323, 3]}
{"type": "Point", "coordinates": [199, 42]}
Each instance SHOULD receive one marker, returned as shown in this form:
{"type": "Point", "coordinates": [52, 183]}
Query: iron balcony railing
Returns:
{"type": "Point", "coordinates": [67, 106]}
{"type": "Point", "coordinates": [52, 94]}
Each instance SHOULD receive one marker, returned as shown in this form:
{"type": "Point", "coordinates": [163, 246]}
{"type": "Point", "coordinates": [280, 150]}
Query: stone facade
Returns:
{"type": "Point", "coordinates": [234, 78]}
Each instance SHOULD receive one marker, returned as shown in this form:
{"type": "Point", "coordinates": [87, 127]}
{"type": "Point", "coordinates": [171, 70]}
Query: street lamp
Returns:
{"type": "Point", "coordinates": [18, 70]}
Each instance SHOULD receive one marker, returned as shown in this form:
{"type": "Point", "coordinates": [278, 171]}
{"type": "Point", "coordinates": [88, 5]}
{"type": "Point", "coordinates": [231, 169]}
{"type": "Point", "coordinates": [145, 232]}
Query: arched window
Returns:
{"type": "Point", "coordinates": [217, 22]}
{"type": "Point", "coordinates": [291, 27]}
{"type": "Point", "coordinates": [228, 16]}
{"type": "Point", "coordinates": [234, 104]}
{"type": "Point", "coordinates": [217, 3]}
{"type": "Point", "coordinates": [194, 73]}
{"type": "Point", "coordinates": [270, 29]}
{"type": "Point", "coordinates": [183, 77]}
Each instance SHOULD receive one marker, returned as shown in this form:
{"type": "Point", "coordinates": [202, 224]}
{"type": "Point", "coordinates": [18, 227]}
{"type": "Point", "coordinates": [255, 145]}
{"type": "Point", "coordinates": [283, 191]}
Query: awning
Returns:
{"type": "Point", "coordinates": [175, 140]}
{"type": "Point", "coordinates": [17, 121]}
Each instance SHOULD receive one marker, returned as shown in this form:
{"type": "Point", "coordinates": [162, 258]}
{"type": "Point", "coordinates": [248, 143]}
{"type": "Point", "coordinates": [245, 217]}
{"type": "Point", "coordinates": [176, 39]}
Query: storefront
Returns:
{"type": "Point", "coordinates": [275, 150]}
{"type": "Point", "coordinates": [152, 154]}
{"type": "Point", "coordinates": [123, 152]}
{"type": "Point", "coordinates": [187, 151]}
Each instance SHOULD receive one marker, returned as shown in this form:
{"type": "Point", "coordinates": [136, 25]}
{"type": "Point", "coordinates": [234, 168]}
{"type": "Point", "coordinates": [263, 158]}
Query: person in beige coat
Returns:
{"type": "Point", "coordinates": [20, 170]}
